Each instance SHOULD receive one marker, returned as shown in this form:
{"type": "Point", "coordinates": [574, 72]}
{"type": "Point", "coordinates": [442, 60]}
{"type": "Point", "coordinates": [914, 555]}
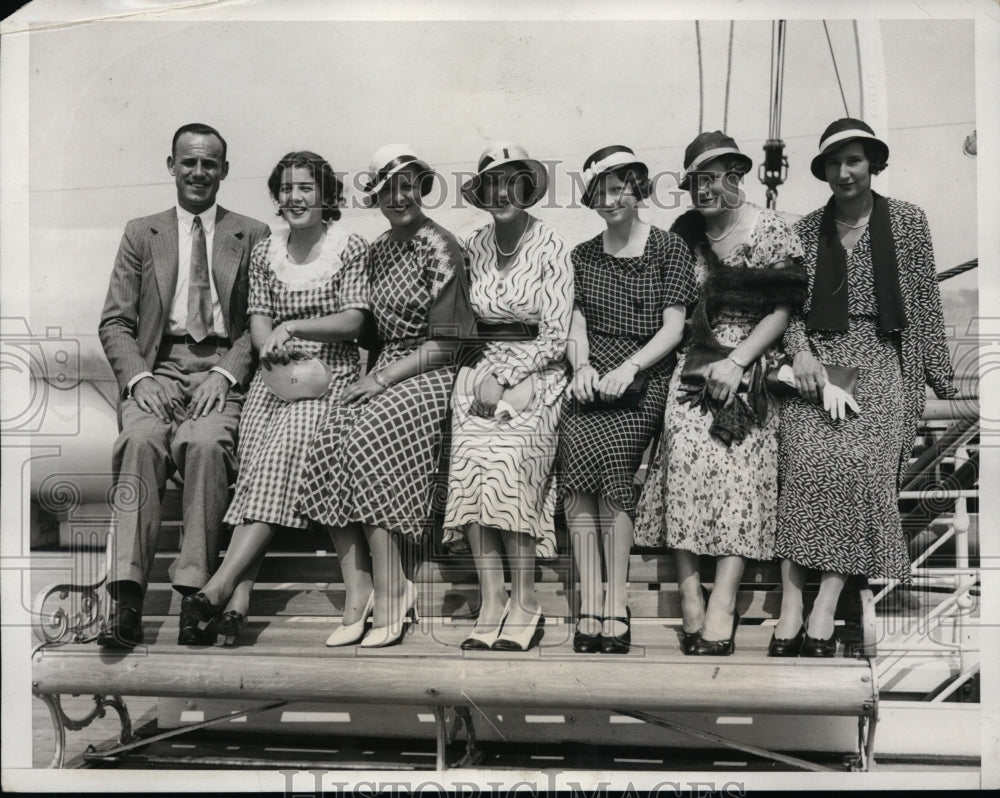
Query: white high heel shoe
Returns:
{"type": "Point", "coordinates": [483, 641]}
{"type": "Point", "coordinates": [380, 636]}
{"type": "Point", "coordinates": [348, 634]}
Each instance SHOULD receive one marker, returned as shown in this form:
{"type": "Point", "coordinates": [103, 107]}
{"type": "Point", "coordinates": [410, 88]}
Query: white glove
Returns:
{"type": "Point", "coordinates": [837, 400]}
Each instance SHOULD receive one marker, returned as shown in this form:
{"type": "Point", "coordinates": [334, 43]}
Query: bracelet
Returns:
{"type": "Point", "coordinates": [289, 329]}
{"type": "Point", "coordinates": [734, 360]}
{"type": "Point", "coordinates": [631, 362]}
{"type": "Point", "coordinates": [377, 376]}
{"type": "Point", "coordinates": [582, 365]}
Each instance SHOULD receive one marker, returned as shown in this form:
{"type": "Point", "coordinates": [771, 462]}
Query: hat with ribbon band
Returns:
{"type": "Point", "coordinates": [501, 153]}
{"type": "Point", "coordinates": [707, 147]}
{"type": "Point", "coordinates": [608, 159]}
{"type": "Point", "coordinates": [390, 159]}
{"type": "Point", "coordinates": [837, 135]}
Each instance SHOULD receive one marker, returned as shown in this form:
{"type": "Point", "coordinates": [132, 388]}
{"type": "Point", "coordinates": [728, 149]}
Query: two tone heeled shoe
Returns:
{"type": "Point", "coordinates": [483, 641]}
{"type": "Point", "coordinates": [587, 644]}
{"type": "Point", "coordinates": [350, 633]}
{"type": "Point", "coordinates": [523, 640]}
{"type": "Point", "coordinates": [390, 635]}
{"type": "Point", "coordinates": [717, 648]}
{"type": "Point", "coordinates": [228, 627]}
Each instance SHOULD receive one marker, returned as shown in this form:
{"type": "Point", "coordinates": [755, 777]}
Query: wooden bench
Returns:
{"type": "Point", "coordinates": [299, 598]}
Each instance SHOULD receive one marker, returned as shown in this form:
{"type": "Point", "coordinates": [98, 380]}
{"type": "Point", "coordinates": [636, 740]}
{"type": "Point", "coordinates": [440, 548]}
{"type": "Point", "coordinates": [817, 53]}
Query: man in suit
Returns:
{"type": "Point", "coordinates": [174, 328]}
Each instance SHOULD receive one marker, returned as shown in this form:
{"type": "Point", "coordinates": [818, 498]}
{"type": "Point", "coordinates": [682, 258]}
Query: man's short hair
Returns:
{"type": "Point", "coordinates": [201, 129]}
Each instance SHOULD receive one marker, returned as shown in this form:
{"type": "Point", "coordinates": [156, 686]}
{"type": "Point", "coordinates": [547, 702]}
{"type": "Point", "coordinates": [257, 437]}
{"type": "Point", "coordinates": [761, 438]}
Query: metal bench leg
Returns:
{"type": "Point", "coordinates": [463, 718]}
{"type": "Point", "coordinates": [61, 722]}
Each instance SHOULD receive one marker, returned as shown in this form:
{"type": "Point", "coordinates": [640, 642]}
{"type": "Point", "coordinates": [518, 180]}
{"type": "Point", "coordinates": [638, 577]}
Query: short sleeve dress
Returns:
{"type": "Point", "coordinates": [699, 495]}
{"type": "Point", "coordinates": [622, 300]}
{"type": "Point", "coordinates": [375, 463]}
{"type": "Point", "coordinates": [501, 471]}
{"type": "Point", "coordinates": [275, 434]}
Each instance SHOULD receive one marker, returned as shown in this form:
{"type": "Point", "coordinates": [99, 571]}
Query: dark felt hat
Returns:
{"type": "Point", "coordinates": [837, 135]}
{"type": "Point", "coordinates": [706, 147]}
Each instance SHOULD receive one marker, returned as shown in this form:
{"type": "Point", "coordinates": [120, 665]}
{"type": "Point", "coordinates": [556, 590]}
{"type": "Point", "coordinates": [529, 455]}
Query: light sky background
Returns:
{"type": "Point", "coordinates": [106, 97]}
{"type": "Point", "coordinates": [88, 110]}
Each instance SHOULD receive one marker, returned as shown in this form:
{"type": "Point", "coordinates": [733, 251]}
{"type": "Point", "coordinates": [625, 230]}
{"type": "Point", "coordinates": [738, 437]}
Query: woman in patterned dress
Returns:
{"type": "Point", "coordinates": [370, 470]}
{"type": "Point", "coordinates": [307, 296]}
{"type": "Point", "coordinates": [838, 511]}
{"type": "Point", "coordinates": [501, 491]}
{"type": "Point", "coordinates": [632, 283]}
{"type": "Point", "coordinates": [712, 488]}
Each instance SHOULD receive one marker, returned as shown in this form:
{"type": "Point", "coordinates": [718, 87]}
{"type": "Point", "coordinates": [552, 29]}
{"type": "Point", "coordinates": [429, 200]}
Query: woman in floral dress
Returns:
{"type": "Point", "coordinates": [707, 491]}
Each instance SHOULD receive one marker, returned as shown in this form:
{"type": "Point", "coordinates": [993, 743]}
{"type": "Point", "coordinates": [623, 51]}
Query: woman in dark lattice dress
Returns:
{"type": "Point", "coordinates": [632, 283]}
{"type": "Point", "coordinates": [840, 471]}
{"type": "Point", "coordinates": [307, 297]}
{"type": "Point", "coordinates": [370, 472]}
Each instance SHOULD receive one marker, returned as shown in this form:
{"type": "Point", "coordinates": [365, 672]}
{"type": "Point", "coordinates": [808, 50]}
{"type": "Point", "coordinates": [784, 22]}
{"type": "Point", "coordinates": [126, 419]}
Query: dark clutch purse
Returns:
{"type": "Point", "coordinates": [631, 399]}
{"type": "Point", "coordinates": [700, 356]}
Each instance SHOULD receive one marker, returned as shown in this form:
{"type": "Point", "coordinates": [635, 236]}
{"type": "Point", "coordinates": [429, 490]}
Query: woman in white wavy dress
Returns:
{"type": "Point", "coordinates": [501, 491]}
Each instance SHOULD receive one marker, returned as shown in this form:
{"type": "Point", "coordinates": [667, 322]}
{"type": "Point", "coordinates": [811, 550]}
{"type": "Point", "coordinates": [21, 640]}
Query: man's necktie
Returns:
{"type": "Point", "coordinates": [199, 306]}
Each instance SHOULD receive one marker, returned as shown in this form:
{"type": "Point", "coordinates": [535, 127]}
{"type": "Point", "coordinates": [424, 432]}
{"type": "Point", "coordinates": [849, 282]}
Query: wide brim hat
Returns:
{"type": "Point", "coordinates": [837, 135]}
{"type": "Point", "coordinates": [501, 153]}
{"type": "Point", "coordinates": [608, 159]}
{"type": "Point", "coordinates": [707, 147]}
{"type": "Point", "coordinates": [389, 160]}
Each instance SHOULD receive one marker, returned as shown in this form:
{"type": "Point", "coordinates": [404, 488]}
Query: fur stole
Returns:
{"type": "Point", "coordinates": [754, 291]}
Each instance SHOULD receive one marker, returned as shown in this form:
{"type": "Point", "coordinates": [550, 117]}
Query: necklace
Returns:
{"type": "Point", "coordinates": [717, 239]}
{"type": "Point", "coordinates": [862, 223]}
{"type": "Point", "coordinates": [496, 241]}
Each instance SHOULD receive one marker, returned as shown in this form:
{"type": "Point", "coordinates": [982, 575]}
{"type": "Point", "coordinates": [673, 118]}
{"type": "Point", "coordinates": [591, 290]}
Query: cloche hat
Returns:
{"type": "Point", "coordinates": [500, 153]}
{"type": "Point", "coordinates": [706, 147]}
{"type": "Point", "coordinates": [839, 133]}
{"type": "Point", "coordinates": [390, 159]}
{"type": "Point", "coordinates": [605, 160]}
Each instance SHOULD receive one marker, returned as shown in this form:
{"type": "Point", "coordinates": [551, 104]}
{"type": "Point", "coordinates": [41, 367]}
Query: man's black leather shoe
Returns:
{"type": "Point", "coordinates": [190, 634]}
{"type": "Point", "coordinates": [123, 630]}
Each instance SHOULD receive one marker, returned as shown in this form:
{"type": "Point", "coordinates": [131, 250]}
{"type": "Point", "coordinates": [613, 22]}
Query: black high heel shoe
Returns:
{"type": "Point", "coordinates": [618, 644]}
{"type": "Point", "coordinates": [228, 627]}
{"type": "Point", "coordinates": [816, 647]}
{"type": "Point", "coordinates": [689, 639]}
{"type": "Point", "coordinates": [717, 648]}
{"type": "Point", "coordinates": [198, 605]}
{"type": "Point", "coordinates": [586, 644]}
{"type": "Point", "coordinates": [786, 646]}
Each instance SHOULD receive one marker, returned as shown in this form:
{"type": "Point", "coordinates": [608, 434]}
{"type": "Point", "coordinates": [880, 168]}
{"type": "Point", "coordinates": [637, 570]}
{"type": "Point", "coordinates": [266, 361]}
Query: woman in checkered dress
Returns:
{"type": "Point", "coordinates": [370, 471]}
{"type": "Point", "coordinates": [307, 296]}
{"type": "Point", "coordinates": [632, 283]}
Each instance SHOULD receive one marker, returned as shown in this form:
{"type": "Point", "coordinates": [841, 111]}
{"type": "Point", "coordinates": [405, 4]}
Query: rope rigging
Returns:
{"type": "Point", "coordinates": [836, 71]}
{"type": "Point", "coordinates": [774, 170]}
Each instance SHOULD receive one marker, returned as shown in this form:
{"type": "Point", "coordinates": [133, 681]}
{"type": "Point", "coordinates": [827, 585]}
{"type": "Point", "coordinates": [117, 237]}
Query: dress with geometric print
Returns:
{"type": "Point", "coordinates": [274, 434]}
{"type": "Point", "coordinates": [700, 495]}
{"type": "Point", "coordinates": [838, 509]}
{"type": "Point", "coordinates": [622, 300]}
{"type": "Point", "coordinates": [374, 463]}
